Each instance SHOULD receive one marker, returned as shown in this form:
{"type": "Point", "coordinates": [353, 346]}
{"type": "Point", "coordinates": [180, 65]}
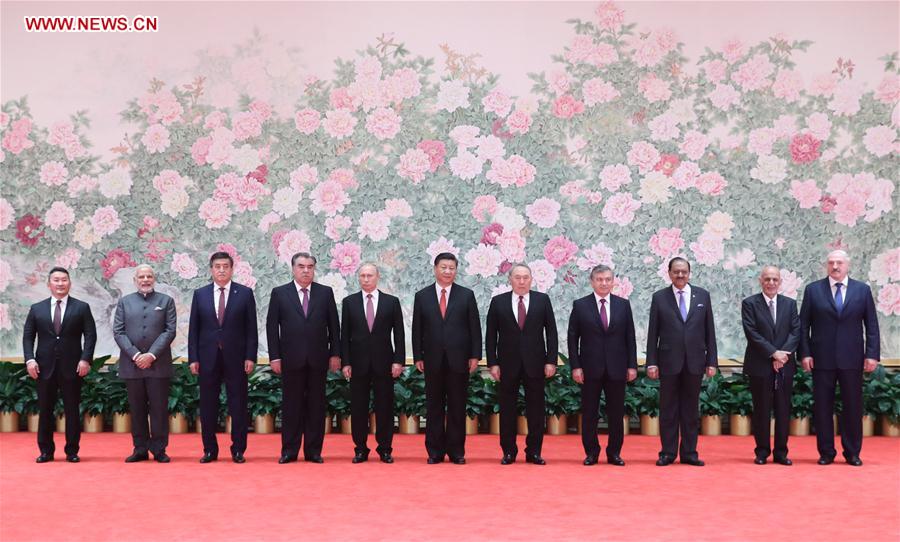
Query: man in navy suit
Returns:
{"type": "Point", "coordinates": [681, 346]}
{"type": "Point", "coordinates": [61, 360]}
{"type": "Point", "coordinates": [446, 341]}
{"type": "Point", "coordinates": [772, 327]}
{"type": "Point", "coordinates": [304, 343]}
{"type": "Point", "coordinates": [371, 360]}
{"type": "Point", "coordinates": [517, 353]}
{"type": "Point", "coordinates": [836, 348]}
{"type": "Point", "coordinates": [222, 345]}
{"type": "Point", "coordinates": [603, 357]}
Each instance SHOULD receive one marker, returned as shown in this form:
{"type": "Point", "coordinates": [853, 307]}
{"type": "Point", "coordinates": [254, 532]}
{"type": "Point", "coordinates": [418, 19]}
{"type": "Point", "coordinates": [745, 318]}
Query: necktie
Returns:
{"type": "Point", "coordinates": [681, 306]}
{"type": "Point", "coordinates": [221, 312]}
{"type": "Point", "coordinates": [838, 298]}
{"type": "Point", "coordinates": [57, 317]}
{"type": "Point", "coordinates": [443, 302]}
{"type": "Point", "coordinates": [772, 309]}
{"type": "Point", "coordinates": [603, 318]}
{"type": "Point", "coordinates": [370, 312]}
{"type": "Point", "coordinates": [521, 312]}
{"type": "Point", "coordinates": [305, 301]}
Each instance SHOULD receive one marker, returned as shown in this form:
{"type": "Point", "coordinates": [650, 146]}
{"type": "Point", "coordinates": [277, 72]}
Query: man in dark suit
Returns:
{"type": "Point", "coordinates": [222, 345]}
{"type": "Point", "coordinates": [371, 361]}
{"type": "Point", "coordinates": [61, 360]}
{"type": "Point", "coordinates": [446, 342]}
{"type": "Point", "coordinates": [522, 348]}
{"type": "Point", "coordinates": [834, 346]}
{"type": "Point", "coordinates": [772, 327]}
{"type": "Point", "coordinates": [144, 328]}
{"type": "Point", "coordinates": [304, 343]}
{"type": "Point", "coordinates": [603, 357]}
{"type": "Point", "coordinates": [681, 345]}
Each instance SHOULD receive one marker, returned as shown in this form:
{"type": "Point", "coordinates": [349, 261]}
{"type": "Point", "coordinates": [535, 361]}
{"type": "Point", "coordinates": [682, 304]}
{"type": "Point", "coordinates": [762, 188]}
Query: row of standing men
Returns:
{"type": "Point", "coordinates": [835, 334]}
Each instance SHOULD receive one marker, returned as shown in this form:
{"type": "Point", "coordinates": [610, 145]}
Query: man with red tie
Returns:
{"type": "Point", "coordinates": [446, 341]}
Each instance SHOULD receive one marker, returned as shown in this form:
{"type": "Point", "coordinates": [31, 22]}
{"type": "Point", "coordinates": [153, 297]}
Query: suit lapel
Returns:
{"type": "Point", "coordinates": [764, 307]}
{"type": "Point", "coordinates": [693, 305]}
{"type": "Point", "coordinates": [613, 303]}
{"type": "Point", "coordinates": [670, 295]}
{"type": "Point", "coordinates": [849, 292]}
{"type": "Point", "coordinates": [229, 303]}
{"type": "Point", "coordinates": [451, 301]}
{"type": "Point", "coordinates": [47, 311]}
{"type": "Point", "coordinates": [826, 291]}
{"type": "Point", "coordinates": [70, 308]}
{"type": "Point", "coordinates": [781, 315]}
{"type": "Point", "coordinates": [380, 310]}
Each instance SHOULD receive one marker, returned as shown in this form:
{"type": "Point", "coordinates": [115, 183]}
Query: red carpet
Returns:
{"type": "Point", "coordinates": [102, 498]}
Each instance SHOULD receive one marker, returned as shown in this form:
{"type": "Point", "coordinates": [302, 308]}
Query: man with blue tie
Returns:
{"type": "Point", "coordinates": [839, 339]}
{"type": "Point", "coordinates": [222, 345]}
{"type": "Point", "coordinates": [681, 346]}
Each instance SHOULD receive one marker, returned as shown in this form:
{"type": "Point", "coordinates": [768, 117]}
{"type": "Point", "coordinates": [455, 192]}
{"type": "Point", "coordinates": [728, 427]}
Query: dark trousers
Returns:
{"type": "Point", "coordinates": [383, 386]}
{"type": "Point", "coordinates": [614, 412]}
{"type": "Point", "coordinates": [71, 393]}
{"type": "Point", "coordinates": [303, 410]}
{"type": "Point", "coordinates": [679, 412]}
{"type": "Point", "coordinates": [445, 404]}
{"type": "Point", "coordinates": [824, 382]}
{"type": "Point", "coordinates": [149, 396]}
{"type": "Point", "coordinates": [534, 411]}
{"type": "Point", "coordinates": [765, 399]}
{"type": "Point", "coordinates": [236, 392]}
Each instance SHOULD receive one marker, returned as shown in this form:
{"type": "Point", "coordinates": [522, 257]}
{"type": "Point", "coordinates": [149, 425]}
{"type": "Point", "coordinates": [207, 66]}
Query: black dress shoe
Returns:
{"type": "Point", "coordinates": [72, 458]}
{"type": "Point", "coordinates": [314, 459]}
{"type": "Point", "coordinates": [508, 459]}
{"type": "Point", "coordinates": [590, 460]}
{"type": "Point", "coordinates": [162, 457]}
{"type": "Point", "coordinates": [854, 461]}
{"type": "Point", "coordinates": [44, 458]}
{"type": "Point", "coordinates": [137, 456]}
{"type": "Point", "coordinates": [664, 460]}
{"type": "Point", "coordinates": [458, 460]}
{"type": "Point", "coordinates": [535, 459]}
{"type": "Point", "coordinates": [435, 460]}
{"type": "Point", "coordinates": [760, 460]}
{"type": "Point", "coordinates": [386, 458]}
{"type": "Point", "coordinates": [826, 460]}
{"type": "Point", "coordinates": [238, 458]}
{"type": "Point", "coordinates": [783, 461]}
{"type": "Point", "coordinates": [360, 457]}
{"type": "Point", "coordinates": [286, 459]}
{"type": "Point", "coordinates": [694, 462]}
{"type": "Point", "coordinates": [615, 460]}
{"type": "Point", "coordinates": [208, 457]}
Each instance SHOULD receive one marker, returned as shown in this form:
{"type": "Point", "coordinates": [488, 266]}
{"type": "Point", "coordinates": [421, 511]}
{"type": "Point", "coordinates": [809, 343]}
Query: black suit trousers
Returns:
{"type": "Point", "coordinates": [534, 412]}
{"type": "Point", "coordinates": [614, 412]}
{"type": "Point", "coordinates": [824, 383]}
{"type": "Point", "coordinates": [360, 387]}
{"type": "Point", "coordinates": [766, 399]}
{"type": "Point", "coordinates": [679, 412]}
{"type": "Point", "coordinates": [149, 396]}
{"type": "Point", "coordinates": [445, 405]}
{"type": "Point", "coordinates": [236, 393]}
{"type": "Point", "coordinates": [303, 408]}
{"type": "Point", "coordinates": [48, 390]}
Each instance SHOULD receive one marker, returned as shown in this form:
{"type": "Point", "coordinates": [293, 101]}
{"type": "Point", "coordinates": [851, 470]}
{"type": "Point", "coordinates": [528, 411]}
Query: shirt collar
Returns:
{"type": "Point", "coordinates": [832, 282]}
{"type": "Point", "coordinates": [65, 300]}
{"type": "Point", "coordinates": [686, 289]}
{"type": "Point", "coordinates": [374, 294]}
{"type": "Point", "coordinates": [227, 286]}
{"type": "Point", "coordinates": [438, 288]}
{"type": "Point", "coordinates": [767, 298]}
{"type": "Point", "coordinates": [300, 288]}
{"type": "Point", "coordinates": [598, 297]}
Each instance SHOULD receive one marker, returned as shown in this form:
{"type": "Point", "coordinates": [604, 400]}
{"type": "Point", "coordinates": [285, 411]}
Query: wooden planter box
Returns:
{"type": "Point", "coordinates": [557, 425]}
{"type": "Point", "coordinates": [626, 425]}
{"type": "Point", "coordinates": [711, 425]}
{"type": "Point", "coordinates": [649, 425]}
{"type": "Point", "coordinates": [121, 422]}
{"type": "Point", "coordinates": [264, 424]}
{"type": "Point", "coordinates": [889, 429]}
{"type": "Point", "coordinates": [33, 421]}
{"type": "Point", "coordinates": [93, 424]}
{"type": "Point", "coordinates": [868, 425]}
{"type": "Point", "coordinates": [409, 424]}
{"type": "Point", "coordinates": [522, 425]}
{"type": "Point", "coordinates": [799, 427]}
{"type": "Point", "coordinates": [178, 424]}
{"type": "Point", "coordinates": [329, 422]}
{"type": "Point", "coordinates": [346, 427]}
{"type": "Point", "coordinates": [9, 422]}
{"type": "Point", "coordinates": [740, 425]}
{"type": "Point", "coordinates": [471, 425]}
{"type": "Point", "coordinates": [495, 424]}
{"type": "Point", "coordinates": [61, 423]}
{"type": "Point", "coordinates": [371, 423]}
{"type": "Point", "coordinates": [228, 425]}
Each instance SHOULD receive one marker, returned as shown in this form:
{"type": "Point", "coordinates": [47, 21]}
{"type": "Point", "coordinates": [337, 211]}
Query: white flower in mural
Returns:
{"type": "Point", "coordinates": [374, 225]}
{"type": "Point", "coordinates": [790, 284]}
{"type": "Point", "coordinates": [769, 169]}
{"type": "Point", "coordinates": [292, 242]}
{"type": "Point", "coordinates": [719, 224]}
{"type": "Point", "coordinates": [7, 214]}
{"type": "Point", "coordinates": [879, 140]}
{"type": "Point", "coordinates": [466, 165]}
{"type": "Point", "coordinates": [244, 159]}
{"type": "Point", "coordinates": [184, 265]}
{"type": "Point", "coordinates": [286, 201]}
{"type": "Point", "coordinates": [594, 256]}
{"type": "Point", "coordinates": [743, 258]}
{"type": "Point", "coordinates": [543, 273]}
{"type": "Point", "coordinates": [543, 213]}
{"type": "Point", "coordinates": [215, 213]}
{"type": "Point", "coordinates": [398, 208]}
{"type": "Point", "coordinates": [453, 95]}
{"type": "Point", "coordinates": [58, 215]}
{"type": "Point", "coordinates": [465, 136]}
{"type": "Point", "coordinates": [508, 218]}
{"type": "Point", "coordinates": [174, 202]}
{"type": "Point", "coordinates": [613, 176]}
{"type": "Point", "coordinates": [439, 245]}
{"type": "Point", "coordinates": [337, 283]}
{"type": "Point", "coordinates": [156, 139]}
{"type": "Point", "coordinates": [115, 182]}
{"type": "Point", "coordinates": [483, 260]}
{"type": "Point", "coordinates": [5, 275]}
{"type": "Point", "coordinates": [885, 267]}
{"type": "Point", "coordinates": [84, 234]}
{"type": "Point", "coordinates": [655, 188]}
{"type": "Point", "coordinates": [105, 221]}
{"type": "Point", "coordinates": [664, 128]}
{"type": "Point", "coordinates": [490, 148]}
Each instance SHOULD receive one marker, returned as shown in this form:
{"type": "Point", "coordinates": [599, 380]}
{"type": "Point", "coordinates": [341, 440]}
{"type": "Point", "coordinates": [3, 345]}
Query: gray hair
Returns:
{"type": "Point", "coordinates": [770, 266]}
{"type": "Point", "coordinates": [515, 265]}
{"type": "Point", "coordinates": [601, 269]}
{"type": "Point", "coordinates": [838, 252]}
{"type": "Point", "coordinates": [369, 264]}
{"type": "Point", "coordinates": [144, 266]}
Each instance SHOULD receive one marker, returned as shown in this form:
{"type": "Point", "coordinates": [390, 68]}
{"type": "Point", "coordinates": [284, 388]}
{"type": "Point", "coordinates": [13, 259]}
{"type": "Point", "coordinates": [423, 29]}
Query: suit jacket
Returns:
{"type": "Point", "coordinates": [837, 341]}
{"type": "Point", "coordinates": [598, 352]}
{"type": "Point", "coordinates": [366, 350]}
{"type": "Point", "coordinates": [764, 336]}
{"type": "Point", "coordinates": [297, 339]}
{"type": "Point", "coordinates": [59, 352]}
{"type": "Point", "coordinates": [238, 335]}
{"type": "Point", "coordinates": [675, 345]}
{"type": "Point", "coordinates": [145, 325]}
{"type": "Point", "coordinates": [513, 348]}
{"type": "Point", "coordinates": [458, 336]}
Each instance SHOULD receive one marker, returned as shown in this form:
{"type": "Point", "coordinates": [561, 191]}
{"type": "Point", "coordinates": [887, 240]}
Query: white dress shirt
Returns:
{"type": "Point", "coordinates": [774, 302]}
{"type": "Point", "coordinates": [832, 282]}
{"type": "Point", "coordinates": [515, 303]}
{"type": "Point", "coordinates": [597, 299]}
{"type": "Point", "coordinates": [438, 288]}
{"type": "Point", "coordinates": [216, 295]}
{"type": "Point", "coordinates": [687, 298]}
{"type": "Point", "coordinates": [365, 300]}
{"type": "Point", "coordinates": [62, 307]}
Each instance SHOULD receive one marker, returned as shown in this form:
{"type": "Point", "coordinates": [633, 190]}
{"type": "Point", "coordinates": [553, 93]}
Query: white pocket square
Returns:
{"type": "Point", "coordinates": [158, 309]}
{"type": "Point", "coordinates": [699, 305]}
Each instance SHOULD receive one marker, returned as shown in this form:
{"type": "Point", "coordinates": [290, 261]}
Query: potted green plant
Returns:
{"type": "Point", "coordinates": [264, 398]}
{"type": "Point", "coordinates": [562, 398]}
{"type": "Point", "coordinates": [632, 408]}
{"type": "Point", "coordinates": [409, 399]}
{"type": "Point", "coordinates": [476, 401]}
{"type": "Point", "coordinates": [712, 405]}
{"type": "Point", "coordinates": [883, 399]}
{"type": "Point", "coordinates": [29, 406]}
{"type": "Point", "coordinates": [646, 391]}
{"type": "Point", "coordinates": [337, 395]}
{"type": "Point", "coordinates": [801, 404]}
{"type": "Point", "coordinates": [94, 396]}
{"type": "Point", "coordinates": [12, 391]}
{"type": "Point", "coordinates": [117, 401]}
{"type": "Point", "coordinates": [492, 408]}
{"type": "Point", "coordinates": [738, 403]}
{"type": "Point", "coordinates": [184, 398]}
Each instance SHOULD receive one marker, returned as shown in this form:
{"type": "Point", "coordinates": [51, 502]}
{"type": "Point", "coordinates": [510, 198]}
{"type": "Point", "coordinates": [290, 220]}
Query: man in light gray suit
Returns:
{"type": "Point", "coordinates": [144, 329]}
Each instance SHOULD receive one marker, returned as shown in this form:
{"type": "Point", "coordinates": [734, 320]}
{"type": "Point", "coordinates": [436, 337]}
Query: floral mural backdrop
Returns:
{"type": "Point", "coordinates": [617, 156]}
